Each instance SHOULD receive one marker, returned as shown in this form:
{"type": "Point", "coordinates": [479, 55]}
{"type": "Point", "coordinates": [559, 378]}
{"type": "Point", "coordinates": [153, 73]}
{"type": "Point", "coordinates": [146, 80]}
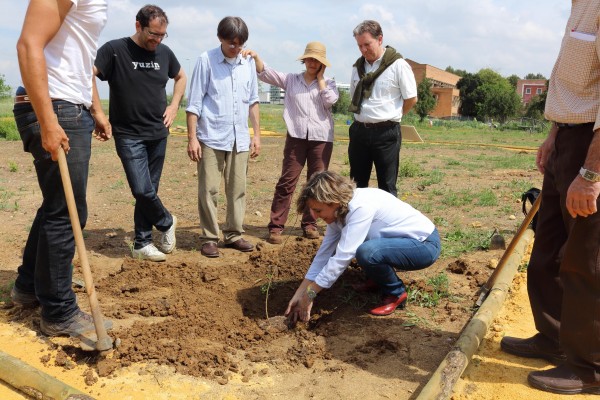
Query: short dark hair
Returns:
{"type": "Point", "coordinates": [150, 12]}
{"type": "Point", "coordinates": [231, 28]}
{"type": "Point", "coordinates": [369, 26]}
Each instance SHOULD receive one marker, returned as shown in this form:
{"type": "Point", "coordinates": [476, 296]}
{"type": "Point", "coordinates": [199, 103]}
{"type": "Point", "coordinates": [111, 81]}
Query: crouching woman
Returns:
{"type": "Point", "coordinates": [384, 233]}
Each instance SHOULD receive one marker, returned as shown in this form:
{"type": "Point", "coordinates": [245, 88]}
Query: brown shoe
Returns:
{"type": "Point", "coordinates": [210, 249]}
{"type": "Point", "coordinates": [561, 380]}
{"type": "Point", "coordinates": [275, 238]}
{"type": "Point", "coordinates": [311, 234]}
{"type": "Point", "coordinates": [241, 245]}
{"type": "Point", "coordinates": [537, 346]}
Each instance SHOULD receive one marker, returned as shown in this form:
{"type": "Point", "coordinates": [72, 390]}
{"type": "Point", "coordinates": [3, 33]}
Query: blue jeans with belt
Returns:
{"type": "Point", "coordinates": [46, 269]}
{"type": "Point", "coordinates": [380, 258]}
{"type": "Point", "coordinates": [143, 162]}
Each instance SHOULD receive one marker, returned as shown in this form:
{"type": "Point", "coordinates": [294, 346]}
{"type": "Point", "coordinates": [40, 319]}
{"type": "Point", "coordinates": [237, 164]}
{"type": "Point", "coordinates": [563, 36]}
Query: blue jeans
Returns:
{"type": "Point", "coordinates": [46, 269]}
{"type": "Point", "coordinates": [379, 258]}
{"type": "Point", "coordinates": [143, 162]}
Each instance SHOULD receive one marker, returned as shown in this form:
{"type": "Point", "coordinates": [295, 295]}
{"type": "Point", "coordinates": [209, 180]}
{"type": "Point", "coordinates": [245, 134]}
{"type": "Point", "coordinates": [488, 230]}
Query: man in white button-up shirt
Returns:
{"type": "Point", "coordinates": [383, 88]}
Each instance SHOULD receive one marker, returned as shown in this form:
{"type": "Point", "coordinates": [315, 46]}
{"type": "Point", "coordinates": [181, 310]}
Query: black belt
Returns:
{"type": "Point", "coordinates": [567, 125]}
{"type": "Point", "coordinates": [375, 125]}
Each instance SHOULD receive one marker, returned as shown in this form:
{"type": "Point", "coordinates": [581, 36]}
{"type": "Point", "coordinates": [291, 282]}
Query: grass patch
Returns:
{"type": "Point", "coordinates": [409, 168]}
{"type": "Point", "coordinates": [436, 289]}
{"type": "Point", "coordinates": [458, 241]}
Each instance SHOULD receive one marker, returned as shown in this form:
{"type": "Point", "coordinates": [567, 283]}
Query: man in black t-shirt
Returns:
{"type": "Point", "coordinates": [137, 69]}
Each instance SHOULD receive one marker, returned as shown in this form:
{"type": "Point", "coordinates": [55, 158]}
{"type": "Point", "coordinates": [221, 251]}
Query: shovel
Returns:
{"type": "Point", "coordinates": [104, 342]}
{"type": "Point", "coordinates": [485, 289]}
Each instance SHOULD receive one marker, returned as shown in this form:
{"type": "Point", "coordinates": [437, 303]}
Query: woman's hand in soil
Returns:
{"type": "Point", "coordinates": [299, 306]}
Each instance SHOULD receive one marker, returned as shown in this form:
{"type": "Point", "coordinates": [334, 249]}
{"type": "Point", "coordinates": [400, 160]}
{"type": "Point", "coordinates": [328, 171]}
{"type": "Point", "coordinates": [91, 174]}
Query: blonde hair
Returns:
{"type": "Point", "coordinates": [327, 187]}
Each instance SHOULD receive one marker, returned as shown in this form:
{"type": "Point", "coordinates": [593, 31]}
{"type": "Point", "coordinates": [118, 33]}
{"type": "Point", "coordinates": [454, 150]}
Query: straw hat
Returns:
{"type": "Point", "coordinates": [317, 51]}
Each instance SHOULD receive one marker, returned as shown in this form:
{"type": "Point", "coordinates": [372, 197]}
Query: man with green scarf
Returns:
{"type": "Point", "coordinates": [383, 88]}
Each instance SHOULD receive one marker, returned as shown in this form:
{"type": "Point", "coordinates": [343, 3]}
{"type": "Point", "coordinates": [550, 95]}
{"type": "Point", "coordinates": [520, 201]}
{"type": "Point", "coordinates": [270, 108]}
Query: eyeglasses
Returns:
{"type": "Point", "coordinates": [158, 36]}
{"type": "Point", "coordinates": [236, 46]}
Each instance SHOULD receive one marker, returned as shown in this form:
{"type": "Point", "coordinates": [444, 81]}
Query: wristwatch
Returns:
{"type": "Point", "coordinates": [588, 175]}
{"type": "Point", "coordinates": [310, 292]}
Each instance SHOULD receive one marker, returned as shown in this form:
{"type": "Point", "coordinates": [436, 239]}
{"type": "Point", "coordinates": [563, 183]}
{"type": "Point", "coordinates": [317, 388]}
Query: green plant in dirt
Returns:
{"type": "Point", "coordinates": [436, 290]}
{"type": "Point", "coordinates": [5, 200]}
{"type": "Point", "coordinates": [409, 168]}
{"type": "Point", "coordinates": [118, 184]}
{"type": "Point", "coordinates": [487, 198]}
{"type": "Point", "coordinates": [8, 129]}
{"type": "Point", "coordinates": [458, 199]}
{"type": "Point", "coordinates": [458, 241]}
{"type": "Point", "coordinates": [12, 166]}
{"type": "Point", "coordinates": [415, 320]}
{"type": "Point", "coordinates": [523, 267]}
{"type": "Point", "coordinates": [5, 291]}
{"type": "Point", "coordinates": [432, 177]}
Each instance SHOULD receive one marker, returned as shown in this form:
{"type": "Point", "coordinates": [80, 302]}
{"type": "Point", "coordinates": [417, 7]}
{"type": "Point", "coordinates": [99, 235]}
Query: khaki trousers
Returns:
{"type": "Point", "coordinates": [233, 167]}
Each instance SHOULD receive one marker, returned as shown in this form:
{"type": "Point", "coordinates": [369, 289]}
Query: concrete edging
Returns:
{"type": "Point", "coordinates": [441, 384]}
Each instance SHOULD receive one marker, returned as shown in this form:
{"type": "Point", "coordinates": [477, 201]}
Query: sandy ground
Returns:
{"type": "Point", "coordinates": [493, 374]}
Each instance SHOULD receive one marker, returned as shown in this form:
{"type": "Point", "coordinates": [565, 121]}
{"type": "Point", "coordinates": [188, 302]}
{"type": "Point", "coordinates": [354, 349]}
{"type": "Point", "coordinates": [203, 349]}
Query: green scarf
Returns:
{"type": "Point", "coordinates": [365, 84]}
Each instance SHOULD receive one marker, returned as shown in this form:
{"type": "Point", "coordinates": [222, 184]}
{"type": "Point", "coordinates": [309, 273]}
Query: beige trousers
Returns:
{"type": "Point", "coordinates": [233, 167]}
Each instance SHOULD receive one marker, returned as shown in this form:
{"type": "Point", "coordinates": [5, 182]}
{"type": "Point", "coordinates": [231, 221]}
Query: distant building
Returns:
{"type": "Point", "coordinates": [264, 97]}
{"type": "Point", "coordinates": [443, 87]}
{"type": "Point", "coordinates": [343, 87]}
{"type": "Point", "coordinates": [529, 88]}
{"type": "Point", "coordinates": [277, 95]}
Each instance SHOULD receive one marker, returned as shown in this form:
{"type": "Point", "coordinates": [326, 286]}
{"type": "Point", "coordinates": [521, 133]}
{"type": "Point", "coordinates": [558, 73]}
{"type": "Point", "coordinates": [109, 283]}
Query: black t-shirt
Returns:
{"type": "Point", "coordinates": [137, 79]}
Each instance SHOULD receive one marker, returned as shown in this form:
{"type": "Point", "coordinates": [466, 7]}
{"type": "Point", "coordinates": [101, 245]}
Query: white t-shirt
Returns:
{"type": "Point", "coordinates": [71, 52]}
{"type": "Point", "coordinates": [390, 89]}
{"type": "Point", "coordinates": [373, 213]}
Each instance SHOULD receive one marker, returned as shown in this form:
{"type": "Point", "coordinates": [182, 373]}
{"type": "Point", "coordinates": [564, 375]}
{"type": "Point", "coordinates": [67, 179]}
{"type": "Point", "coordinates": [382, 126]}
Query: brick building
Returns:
{"type": "Point", "coordinates": [443, 88]}
{"type": "Point", "coordinates": [529, 88]}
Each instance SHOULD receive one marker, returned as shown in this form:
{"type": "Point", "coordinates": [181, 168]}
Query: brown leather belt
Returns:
{"type": "Point", "coordinates": [376, 125]}
{"type": "Point", "coordinates": [25, 99]}
{"type": "Point", "coordinates": [22, 99]}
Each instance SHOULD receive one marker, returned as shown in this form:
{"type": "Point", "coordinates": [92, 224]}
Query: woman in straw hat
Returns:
{"type": "Point", "coordinates": [309, 97]}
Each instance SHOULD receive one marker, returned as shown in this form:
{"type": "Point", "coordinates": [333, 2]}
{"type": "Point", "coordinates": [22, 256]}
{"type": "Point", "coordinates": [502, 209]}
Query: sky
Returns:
{"type": "Point", "coordinates": [509, 36]}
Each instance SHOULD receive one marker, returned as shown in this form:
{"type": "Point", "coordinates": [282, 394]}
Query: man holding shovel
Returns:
{"type": "Point", "coordinates": [56, 111]}
{"type": "Point", "coordinates": [563, 277]}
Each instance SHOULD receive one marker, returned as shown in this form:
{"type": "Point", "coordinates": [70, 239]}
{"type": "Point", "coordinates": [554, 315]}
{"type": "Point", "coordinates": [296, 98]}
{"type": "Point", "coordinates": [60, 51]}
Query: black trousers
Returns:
{"type": "Point", "coordinates": [379, 146]}
{"type": "Point", "coordinates": [563, 277]}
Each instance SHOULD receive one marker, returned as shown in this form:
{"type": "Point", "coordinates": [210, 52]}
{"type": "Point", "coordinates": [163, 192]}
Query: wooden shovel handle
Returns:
{"type": "Point", "coordinates": [509, 250]}
{"type": "Point", "coordinates": [103, 339]}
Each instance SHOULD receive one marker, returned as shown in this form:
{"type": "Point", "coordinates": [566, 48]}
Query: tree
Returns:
{"type": "Point", "coordinates": [459, 72]}
{"type": "Point", "coordinates": [341, 106]}
{"type": "Point", "coordinates": [535, 76]}
{"type": "Point", "coordinates": [513, 79]}
{"type": "Point", "coordinates": [535, 108]}
{"type": "Point", "coordinates": [5, 90]}
{"type": "Point", "coordinates": [500, 101]}
{"type": "Point", "coordinates": [426, 100]}
{"type": "Point", "coordinates": [467, 86]}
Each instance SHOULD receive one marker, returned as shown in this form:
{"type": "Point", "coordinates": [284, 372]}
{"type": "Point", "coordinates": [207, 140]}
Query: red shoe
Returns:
{"type": "Point", "coordinates": [389, 304]}
{"type": "Point", "coordinates": [367, 286]}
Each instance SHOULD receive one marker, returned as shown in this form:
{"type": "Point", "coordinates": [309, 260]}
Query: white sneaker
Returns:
{"type": "Point", "coordinates": [166, 240]}
{"type": "Point", "coordinates": [150, 252]}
